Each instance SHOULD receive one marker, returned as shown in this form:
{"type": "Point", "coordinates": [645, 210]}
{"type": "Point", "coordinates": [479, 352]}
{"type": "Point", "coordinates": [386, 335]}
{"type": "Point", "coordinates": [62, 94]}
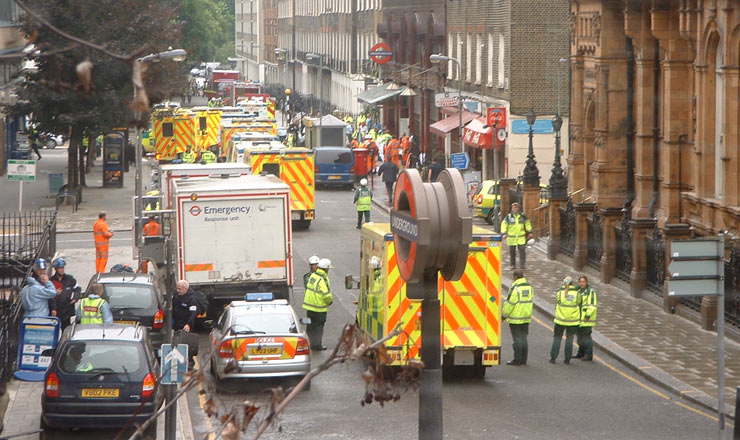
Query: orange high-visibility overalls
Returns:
{"type": "Point", "coordinates": [150, 229]}
{"type": "Point", "coordinates": [102, 243]}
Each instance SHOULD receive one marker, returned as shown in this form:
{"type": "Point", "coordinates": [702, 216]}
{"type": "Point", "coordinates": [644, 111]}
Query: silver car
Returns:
{"type": "Point", "coordinates": [259, 337]}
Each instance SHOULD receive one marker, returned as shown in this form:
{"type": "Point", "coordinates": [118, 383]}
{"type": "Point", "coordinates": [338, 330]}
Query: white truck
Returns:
{"type": "Point", "coordinates": [232, 235]}
{"type": "Point", "coordinates": [170, 172]}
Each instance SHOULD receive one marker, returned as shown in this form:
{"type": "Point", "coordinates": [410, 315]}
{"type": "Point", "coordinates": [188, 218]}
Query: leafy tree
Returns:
{"type": "Point", "coordinates": [82, 83]}
{"type": "Point", "coordinates": [208, 33]}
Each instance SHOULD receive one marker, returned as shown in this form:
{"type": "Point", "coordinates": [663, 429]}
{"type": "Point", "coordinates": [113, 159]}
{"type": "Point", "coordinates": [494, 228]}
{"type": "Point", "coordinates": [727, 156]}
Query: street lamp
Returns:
{"type": "Point", "coordinates": [531, 173]}
{"type": "Point", "coordinates": [558, 182]}
{"type": "Point", "coordinates": [311, 56]}
{"type": "Point", "coordinates": [436, 58]}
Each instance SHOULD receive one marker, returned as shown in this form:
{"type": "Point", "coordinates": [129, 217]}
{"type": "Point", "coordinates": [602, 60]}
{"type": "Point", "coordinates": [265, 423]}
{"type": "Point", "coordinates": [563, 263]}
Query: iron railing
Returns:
{"type": "Point", "coordinates": [595, 242]}
{"type": "Point", "coordinates": [655, 249]}
{"type": "Point", "coordinates": [568, 228]}
{"type": "Point", "coordinates": [623, 245]}
{"type": "Point", "coordinates": [732, 287]}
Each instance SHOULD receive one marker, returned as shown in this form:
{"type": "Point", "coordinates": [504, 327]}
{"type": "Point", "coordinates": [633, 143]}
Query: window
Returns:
{"type": "Point", "coordinates": [167, 130]}
{"type": "Point", "coordinates": [450, 53]}
{"type": "Point", "coordinates": [469, 61]}
{"type": "Point", "coordinates": [479, 59]}
{"type": "Point", "coordinates": [101, 356]}
{"type": "Point", "coordinates": [490, 60]}
{"type": "Point", "coordinates": [121, 296]}
{"type": "Point", "coordinates": [501, 61]}
{"type": "Point", "coordinates": [264, 323]}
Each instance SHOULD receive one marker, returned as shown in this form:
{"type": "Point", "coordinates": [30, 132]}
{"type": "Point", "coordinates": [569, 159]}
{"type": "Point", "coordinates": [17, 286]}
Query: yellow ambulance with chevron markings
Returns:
{"type": "Point", "coordinates": [470, 308]}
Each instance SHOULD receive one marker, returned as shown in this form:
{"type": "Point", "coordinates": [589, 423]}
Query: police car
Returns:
{"type": "Point", "coordinates": [259, 337]}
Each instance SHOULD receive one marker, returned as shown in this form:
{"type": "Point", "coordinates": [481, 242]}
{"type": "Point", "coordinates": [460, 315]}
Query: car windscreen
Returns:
{"type": "Point", "coordinates": [129, 296]}
{"type": "Point", "coordinates": [336, 157]}
{"type": "Point", "coordinates": [101, 356]}
{"type": "Point", "coordinates": [262, 323]}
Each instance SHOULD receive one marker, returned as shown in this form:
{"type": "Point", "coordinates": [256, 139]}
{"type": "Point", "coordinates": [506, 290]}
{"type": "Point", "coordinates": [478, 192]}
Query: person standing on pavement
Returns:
{"type": "Point", "coordinates": [184, 307]}
{"type": "Point", "coordinates": [317, 300]}
{"type": "Point", "coordinates": [518, 313]}
{"type": "Point", "coordinates": [38, 291]}
{"type": "Point", "coordinates": [63, 305]}
{"type": "Point", "coordinates": [389, 172]}
{"type": "Point", "coordinates": [102, 242]}
{"type": "Point", "coordinates": [94, 309]}
{"type": "Point", "coordinates": [363, 200]}
{"type": "Point", "coordinates": [515, 227]}
{"type": "Point", "coordinates": [567, 319]}
{"type": "Point", "coordinates": [35, 147]}
{"type": "Point", "coordinates": [589, 307]}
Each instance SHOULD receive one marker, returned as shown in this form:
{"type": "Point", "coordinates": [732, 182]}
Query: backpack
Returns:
{"type": "Point", "coordinates": [201, 301]}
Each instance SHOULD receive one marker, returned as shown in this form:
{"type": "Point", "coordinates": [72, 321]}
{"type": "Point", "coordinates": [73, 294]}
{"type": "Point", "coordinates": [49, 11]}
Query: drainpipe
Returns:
{"type": "Point", "coordinates": [630, 49]}
{"type": "Point", "coordinates": [684, 138]}
{"type": "Point", "coordinates": [656, 125]}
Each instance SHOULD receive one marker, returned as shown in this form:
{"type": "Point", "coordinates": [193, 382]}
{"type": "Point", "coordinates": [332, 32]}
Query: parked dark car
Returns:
{"type": "Point", "coordinates": [334, 166]}
{"type": "Point", "coordinates": [101, 376]}
{"type": "Point", "coordinates": [134, 298]}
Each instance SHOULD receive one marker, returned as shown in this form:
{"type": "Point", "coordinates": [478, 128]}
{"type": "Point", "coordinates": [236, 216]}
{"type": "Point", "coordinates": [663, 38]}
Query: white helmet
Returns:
{"type": "Point", "coordinates": [363, 182]}
{"type": "Point", "coordinates": [375, 262]}
{"type": "Point", "coordinates": [313, 259]}
{"type": "Point", "coordinates": [325, 263]}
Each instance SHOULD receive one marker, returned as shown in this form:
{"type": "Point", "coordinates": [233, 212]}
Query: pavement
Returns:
{"type": "Point", "coordinates": [23, 412]}
{"type": "Point", "coordinates": [671, 351]}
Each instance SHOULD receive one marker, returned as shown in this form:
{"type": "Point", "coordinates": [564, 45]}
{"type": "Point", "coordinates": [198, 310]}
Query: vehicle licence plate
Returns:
{"type": "Point", "coordinates": [335, 177]}
{"type": "Point", "coordinates": [265, 351]}
{"type": "Point", "coordinates": [99, 393]}
{"type": "Point", "coordinates": [118, 321]}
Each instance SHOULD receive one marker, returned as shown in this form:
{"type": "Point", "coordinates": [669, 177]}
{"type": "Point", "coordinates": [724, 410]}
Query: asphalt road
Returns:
{"type": "Point", "coordinates": [599, 400]}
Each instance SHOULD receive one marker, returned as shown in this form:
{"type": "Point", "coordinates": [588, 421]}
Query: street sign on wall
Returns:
{"type": "Point", "coordinates": [447, 99]}
{"type": "Point", "coordinates": [22, 170]}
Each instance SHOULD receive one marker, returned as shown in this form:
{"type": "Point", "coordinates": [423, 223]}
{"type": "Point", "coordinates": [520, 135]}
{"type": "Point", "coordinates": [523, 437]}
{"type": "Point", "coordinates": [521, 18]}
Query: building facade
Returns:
{"type": "Point", "coordinates": [248, 37]}
{"type": "Point", "coordinates": [11, 41]}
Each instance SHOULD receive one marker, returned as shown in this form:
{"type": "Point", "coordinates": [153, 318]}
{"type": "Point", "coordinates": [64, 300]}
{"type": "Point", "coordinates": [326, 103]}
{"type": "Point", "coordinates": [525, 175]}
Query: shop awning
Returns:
{"type": "Point", "coordinates": [377, 94]}
{"type": "Point", "coordinates": [475, 134]}
{"type": "Point", "coordinates": [445, 126]}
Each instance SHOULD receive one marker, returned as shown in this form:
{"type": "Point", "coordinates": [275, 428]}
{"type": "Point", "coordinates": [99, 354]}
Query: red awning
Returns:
{"type": "Point", "coordinates": [475, 135]}
{"type": "Point", "coordinates": [446, 125]}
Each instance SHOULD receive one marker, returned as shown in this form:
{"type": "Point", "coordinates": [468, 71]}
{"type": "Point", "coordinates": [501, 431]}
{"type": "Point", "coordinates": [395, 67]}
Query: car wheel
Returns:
{"type": "Point", "coordinates": [50, 144]}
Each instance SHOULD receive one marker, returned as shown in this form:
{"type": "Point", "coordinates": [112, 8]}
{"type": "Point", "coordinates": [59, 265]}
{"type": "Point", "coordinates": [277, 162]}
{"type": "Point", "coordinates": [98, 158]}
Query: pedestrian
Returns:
{"type": "Point", "coordinates": [184, 307]}
{"type": "Point", "coordinates": [313, 264]}
{"type": "Point", "coordinates": [589, 307]}
{"type": "Point", "coordinates": [94, 309]}
{"type": "Point", "coordinates": [389, 172]}
{"type": "Point", "coordinates": [63, 305]}
{"type": "Point", "coordinates": [567, 319]}
{"type": "Point", "coordinates": [363, 200]}
{"type": "Point", "coordinates": [35, 147]}
{"type": "Point", "coordinates": [518, 313]}
{"type": "Point", "coordinates": [317, 300]}
{"type": "Point", "coordinates": [515, 228]}
{"type": "Point", "coordinates": [102, 242]}
{"type": "Point", "coordinates": [38, 291]}
{"type": "Point", "coordinates": [434, 169]}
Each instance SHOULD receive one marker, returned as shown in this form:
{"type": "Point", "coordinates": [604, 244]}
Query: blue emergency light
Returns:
{"type": "Point", "coordinates": [259, 296]}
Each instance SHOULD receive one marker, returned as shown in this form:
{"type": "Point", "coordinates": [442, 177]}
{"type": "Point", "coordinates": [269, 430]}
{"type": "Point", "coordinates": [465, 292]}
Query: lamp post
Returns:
{"type": "Point", "coordinates": [558, 182]}
{"type": "Point", "coordinates": [312, 56]}
{"type": "Point", "coordinates": [531, 173]}
{"type": "Point", "coordinates": [436, 58]}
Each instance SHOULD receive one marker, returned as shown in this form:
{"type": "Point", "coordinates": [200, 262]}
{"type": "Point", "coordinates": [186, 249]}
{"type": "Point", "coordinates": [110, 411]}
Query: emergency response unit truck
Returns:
{"type": "Point", "coordinates": [470, 307]}
{"type": "Point", "coordinates": [168, 173]}
{"type": "Point", "coordinates": [232, 235]}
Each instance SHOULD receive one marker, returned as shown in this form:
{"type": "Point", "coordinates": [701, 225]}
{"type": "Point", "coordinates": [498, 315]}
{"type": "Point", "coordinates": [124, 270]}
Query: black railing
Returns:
{"type": "Point", "coordinates": [595, 242]}
{"type": "Point", "coordinates": [623, 243]}
{"type": "Point", "coordinates": [25, 237]}
{"type": "Point", "coordinates": [732, 287]}
{"type": "Point", "coordinates": [655, 261]}
{"type": "Point", "coordinates": [568, 228]}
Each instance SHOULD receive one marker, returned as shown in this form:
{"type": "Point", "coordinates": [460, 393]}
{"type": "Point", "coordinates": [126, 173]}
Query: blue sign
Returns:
{"type": "Point", "coordinates": [461, 161]}
{"type": "Point", "coordinates": [174, 363]}
{"type": "Point", "coordinates": [37, 333]}
{"type": "Point", "coordinates": [541, 126]}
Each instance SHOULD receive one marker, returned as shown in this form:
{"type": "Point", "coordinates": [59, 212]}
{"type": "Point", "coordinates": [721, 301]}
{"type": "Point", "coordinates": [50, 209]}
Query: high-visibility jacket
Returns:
{"type": "Point", "coordinates": [151, 229]}
{"type": "Point", "coordinates": [189, 157]}
{"type": "Point", "coordinates": [516, 226]}
{"type": "Point", "coordinates": [589, 306]}
{"type": "Point", "coordinates": [568, 306]}
{"type": "Point", "coordinates": [208, 156]}
{"type": "Point", "coordinates": [318, 296]}
{"type": "Point", "coordinates": [354, 144]}
{"type": "Point", "coordinates": [519, 302]}
{"type": "Point", "coordinates": [361, 119]}
{"type": "Point", "coordinates": [101, 233]}
{"type": "Point", "coordinates": [363, 198]}
{"type": "Point", "coordinates": [90, 311]}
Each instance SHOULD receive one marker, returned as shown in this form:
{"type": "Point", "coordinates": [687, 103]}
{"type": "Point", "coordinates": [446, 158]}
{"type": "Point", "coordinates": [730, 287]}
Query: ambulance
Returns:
{"type": "Point", "coordinates": [470, 308]}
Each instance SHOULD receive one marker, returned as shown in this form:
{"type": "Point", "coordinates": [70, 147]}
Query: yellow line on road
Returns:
{"type": "Point", "coordinates": [646, 387]}
{"type": "Point", "coordinates": [202, 401]}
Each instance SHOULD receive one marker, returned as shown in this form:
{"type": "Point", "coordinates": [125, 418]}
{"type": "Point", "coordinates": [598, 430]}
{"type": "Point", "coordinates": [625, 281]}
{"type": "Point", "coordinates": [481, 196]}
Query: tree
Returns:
{"type": "Point", "coordinates": [77, 86]}
{"type": "Point", "coordinates": [208, 32]}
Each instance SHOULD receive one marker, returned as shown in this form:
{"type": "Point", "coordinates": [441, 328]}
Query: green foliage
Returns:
{"type": "Point", "coordinates": [208, 32]}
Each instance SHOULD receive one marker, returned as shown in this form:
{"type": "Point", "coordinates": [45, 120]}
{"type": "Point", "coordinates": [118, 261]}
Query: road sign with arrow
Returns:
{"type": "Point", "coordinates": [174, 363]}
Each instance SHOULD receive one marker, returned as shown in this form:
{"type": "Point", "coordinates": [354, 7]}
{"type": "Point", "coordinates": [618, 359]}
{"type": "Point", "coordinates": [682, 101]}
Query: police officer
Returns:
{"type": "Point", "coordinates": [515, 228]}
{"type": "Point", "coordinates": [589, 307]}
{"type": "Point", "coordinates": [363, 200]}
{"type": "Point", "coordinates": [184, 307]}
{"type": "Point", "coordinates": [567, 319]}
{"type": "Point", "coordinates": [313, 264]}
{"type": "Point", "coordinates": [94, 309]}
{"type": "Point", "coordinates": [317, 300]}
{"type": "Point", "coordinates": [38, 291]}
{"type": "Point", "coordinates": [63, 306]}
{"type": "Point", "coordinates": [518, 313]}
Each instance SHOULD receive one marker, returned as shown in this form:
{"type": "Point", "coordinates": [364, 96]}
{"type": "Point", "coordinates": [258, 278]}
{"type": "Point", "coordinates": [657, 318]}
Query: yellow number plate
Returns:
{"type": "Point", "coordinates": [125, 322]}
{"type": "Point", "coordinates": [335, 177]}
{"type": "Point", "coordinates": [265, 351]}
{"type": "Point", "coordinates": [97, 393]}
